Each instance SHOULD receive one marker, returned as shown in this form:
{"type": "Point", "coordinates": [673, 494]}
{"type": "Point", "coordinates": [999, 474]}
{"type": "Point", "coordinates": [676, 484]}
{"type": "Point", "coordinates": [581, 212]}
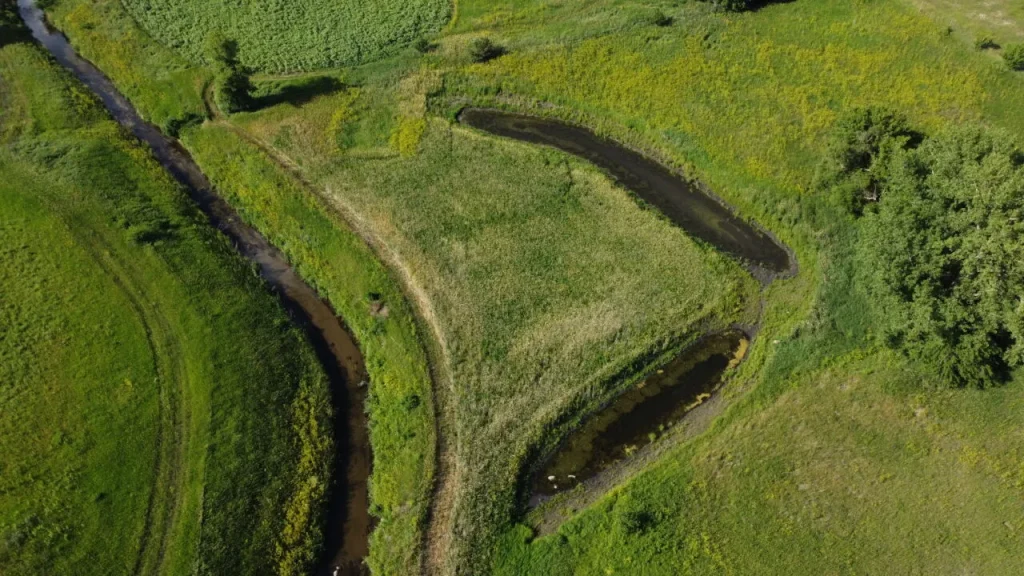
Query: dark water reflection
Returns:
{"type": "Point", "coordinates": [349, 523]}
{"type": "Point", "coordinates": [641, 414]}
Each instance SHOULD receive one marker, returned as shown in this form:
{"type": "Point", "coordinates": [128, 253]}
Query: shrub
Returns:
{"type": "Point", "coordinates": [11, 29]}
{"type": "Point", "coordinates": [1014, 56]}
{"type": "Point", "coordinates": [484, 49]}
{"type": "Point", "coordinates": [941, 256]}
{"type": "Point", "coordinates": [661, 19]}
{"type": "Point", "coordinates": [422, 45]}
{"type": "Point", "coordinates": [173, 126]}
{"type": "Point", "coordinates": [635, 521]}
{"type": "Point", "coordinates": [731, 5]}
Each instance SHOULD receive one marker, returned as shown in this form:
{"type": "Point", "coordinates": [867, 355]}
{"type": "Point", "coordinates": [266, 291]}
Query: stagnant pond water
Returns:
{"type": "Point", "coordinates": [640, 415]}
{"type": "Point", "coordinates": [348, 516]}
{"type": "Point", "coordinates": [699, 214]}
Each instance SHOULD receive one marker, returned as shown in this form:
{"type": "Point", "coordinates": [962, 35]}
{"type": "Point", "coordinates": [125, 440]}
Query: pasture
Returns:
{"type": "Point", "coordinates": [156, 398]}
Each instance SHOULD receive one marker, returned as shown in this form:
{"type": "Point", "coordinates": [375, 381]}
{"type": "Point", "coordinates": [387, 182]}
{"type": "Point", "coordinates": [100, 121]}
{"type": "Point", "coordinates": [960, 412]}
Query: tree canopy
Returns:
{"type": "Point", "coordinates": [233, 88]}
{"type": "Point", "coordinates": [858, 155]}
{"type": "Point", "coordinates": [11, 29]}
{"type": "Point", "coordinates": [942, 255]}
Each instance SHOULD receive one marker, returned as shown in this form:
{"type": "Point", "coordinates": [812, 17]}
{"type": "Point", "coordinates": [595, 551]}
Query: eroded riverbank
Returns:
{"type": "Point", "coordinates": [349, 522]}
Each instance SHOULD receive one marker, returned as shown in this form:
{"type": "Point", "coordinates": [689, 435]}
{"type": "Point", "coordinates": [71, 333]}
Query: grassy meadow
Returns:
{"type": "Point", "coordinates": [1000, 20]}
{"type": "Point", "coordinates": [156, 398]}
{"type": "Point", "coordinates": [540, 288]}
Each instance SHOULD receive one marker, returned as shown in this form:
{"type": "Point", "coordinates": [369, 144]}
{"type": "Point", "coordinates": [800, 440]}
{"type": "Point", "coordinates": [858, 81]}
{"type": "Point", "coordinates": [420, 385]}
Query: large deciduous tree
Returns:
{"type": "Point", "coordinates": [943, 255]}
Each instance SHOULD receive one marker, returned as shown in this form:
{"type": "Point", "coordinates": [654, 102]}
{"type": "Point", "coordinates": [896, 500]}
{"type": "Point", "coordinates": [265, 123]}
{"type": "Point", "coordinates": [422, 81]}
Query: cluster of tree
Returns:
{"type": "Point", "coordinates": [11, 28]}
{"type": "Point", "coordinates": [940, 249]}
{"type": "Point", "coordinates": [233, 90]}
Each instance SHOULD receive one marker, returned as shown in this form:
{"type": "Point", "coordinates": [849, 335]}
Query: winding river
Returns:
{"type": "Point", "coordinates": [348, 524]}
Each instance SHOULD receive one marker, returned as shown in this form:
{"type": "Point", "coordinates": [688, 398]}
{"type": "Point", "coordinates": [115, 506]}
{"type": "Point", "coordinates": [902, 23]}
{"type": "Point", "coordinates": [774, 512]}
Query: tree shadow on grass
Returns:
{"type": "Point", "coordinates": [296, 91]}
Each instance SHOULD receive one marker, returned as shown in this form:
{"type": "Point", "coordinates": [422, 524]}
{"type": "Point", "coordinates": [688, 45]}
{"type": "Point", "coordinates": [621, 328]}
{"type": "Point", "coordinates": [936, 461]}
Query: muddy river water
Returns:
{"type": "Point", "coordinates": [641, 414]}
{"type": "Point", "coordinates": [348, 517]}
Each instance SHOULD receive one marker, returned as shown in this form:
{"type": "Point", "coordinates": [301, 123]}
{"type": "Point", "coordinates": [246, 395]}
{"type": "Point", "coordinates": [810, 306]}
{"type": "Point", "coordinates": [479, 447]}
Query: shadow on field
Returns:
{"type": "Point", "coordinates": [295, 92]}
{"type": "Point", "coordinates": [755, 5]}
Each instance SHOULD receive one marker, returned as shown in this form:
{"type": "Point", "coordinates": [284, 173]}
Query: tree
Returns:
{"type": "Point", "coordinates": [858, 152]}
{"type": "Point", "coordinates": [233, 91]}
{"type": "Point", "coordinates": [942, 256]}
{"type": "Point", "coordinates": [1014, 56]}
{"type": "Point", "coordinates": [11, 28]}
{"type": "Point", "coordinates": [484, 49]}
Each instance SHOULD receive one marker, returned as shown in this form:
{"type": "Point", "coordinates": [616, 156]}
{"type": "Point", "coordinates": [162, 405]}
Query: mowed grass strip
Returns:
{"type": "Point", "coordinates": [157, 402]}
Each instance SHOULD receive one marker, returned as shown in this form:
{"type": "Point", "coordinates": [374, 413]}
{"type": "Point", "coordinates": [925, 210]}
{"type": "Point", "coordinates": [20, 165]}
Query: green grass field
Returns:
{"type": "Point", "coordinates": [1000, 20]}
{"type": "Point", "coordinates": [535, 280]}
{"type": "Point", "coordinates": [156, 399]}
{"type": "Point", "coordinates": [276, 36]}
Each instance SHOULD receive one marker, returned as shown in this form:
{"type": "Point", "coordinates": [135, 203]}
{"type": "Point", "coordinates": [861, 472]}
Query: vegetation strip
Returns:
{"type": "Point", "coordinates": [337, 349]}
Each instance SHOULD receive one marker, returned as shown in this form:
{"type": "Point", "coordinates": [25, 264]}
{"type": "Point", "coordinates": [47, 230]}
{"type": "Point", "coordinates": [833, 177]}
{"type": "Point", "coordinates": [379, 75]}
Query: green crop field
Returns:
{"type": "Point", "coordinates": [524, 288]}
{"type": "Point", "coordinates": [156, 402]}
{"type": "Point", "coordinates": [277, 36]}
